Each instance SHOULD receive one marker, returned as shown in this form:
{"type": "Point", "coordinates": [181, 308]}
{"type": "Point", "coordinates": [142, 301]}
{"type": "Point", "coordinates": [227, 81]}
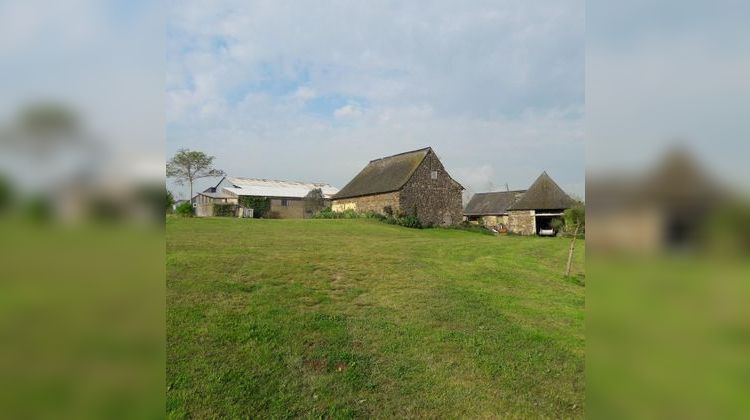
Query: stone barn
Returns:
{"type": "Point", "coordinates": [491, 208]}
{"type": "Point", "coordinates": [533, 212]}
{"type": "Point", "coordinates": [411, 183]}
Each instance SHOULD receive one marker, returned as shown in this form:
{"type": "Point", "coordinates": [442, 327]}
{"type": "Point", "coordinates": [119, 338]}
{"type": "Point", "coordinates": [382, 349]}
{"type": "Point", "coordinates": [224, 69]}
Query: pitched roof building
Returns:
{"type": "Point", "coordinates": [525, 212]}
{"type": "Point", "coordinates": [411, 183]}
{"type": "Point", "coordinates": [543, 194]}
{"type": "Point", "coordinates": [286, 198]}
{"type": "Point", "coordinates": [492, 203]}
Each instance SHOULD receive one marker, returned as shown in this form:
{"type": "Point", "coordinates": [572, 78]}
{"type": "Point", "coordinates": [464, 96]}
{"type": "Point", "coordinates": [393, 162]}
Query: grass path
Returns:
{"type": "Point", "coordinates": [352, 318]}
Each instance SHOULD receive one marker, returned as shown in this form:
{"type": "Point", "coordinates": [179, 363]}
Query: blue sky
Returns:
{"type": "Point", "coordinates": [289, 91]}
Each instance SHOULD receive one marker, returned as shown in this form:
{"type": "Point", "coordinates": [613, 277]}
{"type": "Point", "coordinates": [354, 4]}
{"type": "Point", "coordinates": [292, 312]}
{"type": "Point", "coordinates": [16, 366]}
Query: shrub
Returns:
{"type": "Point", "coordinates": [409, 221]}
{"type": "Point", "coordinates": [224, 210]}
{"type": "Point", "coordinates": [405, 221]}
{"type": "Point", "coordinates": [260, 205]}
{"type": "Point", "coordinates": [471, 227]}
{"type": "Point", "coordinates": [377, 216]}
{"type": "Point", "coordinates": [169, 201]}
{"type": "Point", "coordinates": [185, 209]}
{"type": "Point", "coordinates": [327, 213]}
{"type": "Point", "coordinates": [314, 201]}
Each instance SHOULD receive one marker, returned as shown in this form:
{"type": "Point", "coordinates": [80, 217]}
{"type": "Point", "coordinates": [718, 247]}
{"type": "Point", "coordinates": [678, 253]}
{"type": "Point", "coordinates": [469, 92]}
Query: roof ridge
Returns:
{"type": "Point", "coordinates": [402, 153]}
{"type": "Point", "coordinates": [277, 180]}
{"type": "Point", "coordinates": [497, 192]}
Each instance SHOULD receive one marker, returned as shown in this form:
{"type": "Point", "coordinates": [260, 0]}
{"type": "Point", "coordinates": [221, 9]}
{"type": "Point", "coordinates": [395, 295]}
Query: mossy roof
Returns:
{"type": "Point", "coordinates": [384, 175]}
{"type": "Point", "coordinates": [492, 203]}
{"type": "Point", "coordinates": [543, 194]}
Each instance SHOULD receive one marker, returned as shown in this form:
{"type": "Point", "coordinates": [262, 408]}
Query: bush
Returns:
{"type": "Point", "coordinates": [169, 201]}
{"type": "Point", "coordinates": [409, 221]}
{"type": "Point", "coordinates": [471, 227]}
{"type": "Point", "coordinates": [327, 213]}
{"type": "Point", "coordinates": [377, 216]}
{"type": "Point", "coordinates": [185, 209]}
{"type": "Point", "coordinates": [260, 205]}
{"type": "Point", "coordinates": [224, 210]}
{"type": "Point", "coordinates": [405, 221]}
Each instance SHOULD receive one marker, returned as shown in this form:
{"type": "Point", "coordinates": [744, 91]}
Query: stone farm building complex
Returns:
{"type": "Point", "coordinates": [524, 212]}
{"type": "Point", "coordinates": [411, 183]}
{"type": "Point", "coordinates": [287, 198]}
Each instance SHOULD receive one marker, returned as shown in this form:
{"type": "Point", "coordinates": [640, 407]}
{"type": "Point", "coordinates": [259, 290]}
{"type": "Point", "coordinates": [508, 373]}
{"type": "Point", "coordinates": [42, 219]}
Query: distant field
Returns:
{"type": "Point", "coordinates": [356, 318]}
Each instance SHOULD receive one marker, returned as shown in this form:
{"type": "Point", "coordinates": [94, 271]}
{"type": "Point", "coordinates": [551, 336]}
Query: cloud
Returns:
{"type": "Point", "coordinates": [314, 93]}
{"type": "Point", "coordinates": [347, 111]}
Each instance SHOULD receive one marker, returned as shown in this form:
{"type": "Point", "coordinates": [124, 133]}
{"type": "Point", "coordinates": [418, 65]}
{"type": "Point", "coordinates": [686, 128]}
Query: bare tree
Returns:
{"type": "Point", "coordinates": [189, 165]}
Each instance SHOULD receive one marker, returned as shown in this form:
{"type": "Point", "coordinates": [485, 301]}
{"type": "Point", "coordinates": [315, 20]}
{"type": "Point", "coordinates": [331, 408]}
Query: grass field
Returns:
{"type": "Point", "coordinates": [356, 318]}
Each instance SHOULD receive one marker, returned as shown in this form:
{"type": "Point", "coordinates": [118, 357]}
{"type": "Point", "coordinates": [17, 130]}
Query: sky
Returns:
{"type": "Point", "coordinates": [667, 73]}
{"type": "Point", "coordinates": [312, 92]}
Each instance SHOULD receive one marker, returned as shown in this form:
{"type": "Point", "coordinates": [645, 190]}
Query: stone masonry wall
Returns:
{"type": "Point", "coordinates": [374, 203]}
{"type": "Point", "coordinates": [435, 202]}
{"type": "Point", "coordinates": [522, 222]}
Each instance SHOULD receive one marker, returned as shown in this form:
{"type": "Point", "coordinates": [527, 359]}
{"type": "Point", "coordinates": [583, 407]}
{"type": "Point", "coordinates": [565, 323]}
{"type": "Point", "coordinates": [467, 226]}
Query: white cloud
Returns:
{"type": "Point", "coordinates": [347, 111]}
{"type": "Point", "coordinates": [319, 91]}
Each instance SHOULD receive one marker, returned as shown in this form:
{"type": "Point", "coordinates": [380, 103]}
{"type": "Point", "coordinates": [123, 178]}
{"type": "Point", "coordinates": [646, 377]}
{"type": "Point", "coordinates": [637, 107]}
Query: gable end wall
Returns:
{"type": "Point", "coordinates": [435, 202]}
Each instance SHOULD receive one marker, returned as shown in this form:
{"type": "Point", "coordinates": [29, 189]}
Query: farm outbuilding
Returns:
{"type": "Point", "coordinates": [491, 208]}
{"type": "Point", "coordinates": [413, 183]}
{"type": "Point", "coordinates": [523, 212]}
{"type": "Point", "coordinates": [286, 199]}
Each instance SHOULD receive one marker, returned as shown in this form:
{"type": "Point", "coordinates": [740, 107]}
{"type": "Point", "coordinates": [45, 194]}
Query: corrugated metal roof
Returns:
{"type": "Point", "coordinates": [275, 188]}
{"type": "Point", "coordinates": [214, 194]}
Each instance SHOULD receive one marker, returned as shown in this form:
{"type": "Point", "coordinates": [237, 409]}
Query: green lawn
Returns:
{"type": "Point", "coordinates": [357, 318]}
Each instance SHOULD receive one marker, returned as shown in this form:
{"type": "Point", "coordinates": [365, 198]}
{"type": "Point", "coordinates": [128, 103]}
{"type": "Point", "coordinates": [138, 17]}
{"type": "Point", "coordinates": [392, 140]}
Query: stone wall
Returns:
{"type": "Point", "coordinates": [498, 222]}
{"type": "Point", "coordinates": [374, 203]}
{"type": "Point", "coordinates": [522, 222]}
{"type": "Point", "coordinates": [435, 202]}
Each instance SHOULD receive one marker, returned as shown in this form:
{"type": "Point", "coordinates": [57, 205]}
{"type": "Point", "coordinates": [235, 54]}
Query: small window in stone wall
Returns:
{"type": "Point", "coordinates": [284, 202]}
{"type": "Point", "coordinates": [433, 174]}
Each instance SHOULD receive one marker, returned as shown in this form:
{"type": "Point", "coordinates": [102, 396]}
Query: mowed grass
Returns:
{"type": "Point", "coordinates": [357, 318]}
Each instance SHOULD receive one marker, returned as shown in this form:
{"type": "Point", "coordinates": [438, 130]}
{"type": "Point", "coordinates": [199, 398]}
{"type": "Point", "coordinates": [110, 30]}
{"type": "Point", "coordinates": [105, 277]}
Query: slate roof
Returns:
{"type": "Point", "coordinates": [543, 194]}
{"type": "Point", "coordinates": [384, 175]}
{"type": "Point", "coordinates": [492, 203]}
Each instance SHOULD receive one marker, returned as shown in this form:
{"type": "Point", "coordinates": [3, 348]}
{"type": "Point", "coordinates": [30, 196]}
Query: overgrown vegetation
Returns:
{"type": "Point", "coordinates": [185, 209]}
{"type": "Point", "coordinates": [261, 205]}
{"type": "Point", "coordinates": [314, 201]}
{"type": "Point", "coordinates": [224, 210]}
{"type": "Point", "coordinates": [400, 220]}
{"type": "Point", "coordinates": [169, 201]}
{"type": "Point", "coordinates": [313, 319]}
{"type": "Point", "coordinates": [327, 213]}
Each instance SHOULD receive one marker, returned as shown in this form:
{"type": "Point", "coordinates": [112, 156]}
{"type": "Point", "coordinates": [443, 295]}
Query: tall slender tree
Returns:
{"type": "Point", "coordinates": [189, 165]}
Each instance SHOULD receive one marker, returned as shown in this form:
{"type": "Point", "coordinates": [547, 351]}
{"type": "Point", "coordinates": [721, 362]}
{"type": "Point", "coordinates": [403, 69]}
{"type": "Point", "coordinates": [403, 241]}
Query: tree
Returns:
{"type": "Point", "coordinates": [189, 165]}
{"type": "Point", "coordinates": [575, 217]}
{"type": "Point", "coordinates": [314, 201]}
